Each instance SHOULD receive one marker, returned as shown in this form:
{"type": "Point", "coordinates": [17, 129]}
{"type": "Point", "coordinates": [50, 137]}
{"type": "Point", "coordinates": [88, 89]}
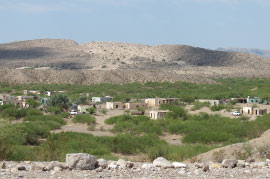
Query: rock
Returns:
{"type": "Point", "coordinates": [229, 163]}
{"type": "Point", "coordinates": [54, 164]}
{"type": "Point", "coordinates": [206, 168]}
{"type": "Point", "coordinates": [258, 165]}
{"type": "Point", "coordinates": [3, 165]}
{"type": "Point", "coordinates": [81, 161]}
{"type": "Point", "coordinates": [129, 164]}
{"type": "Point", "coordinates": [147, 166]}
{"type": "Point", "coordinates": [102, 163]}
{"type": "Point", "coordinates": [215, 166]}
{"type": "Point", "coordinates": [241, 164]}
{"type": "Point", "coordinates": [38, 167]}
{"type": "Point", "coordinates": [162, 162]}
{"type": "Point", "coordinates": [112, 165]}
{"type": "Point", "coordinates": [27, 162]}
{"type": "Point", "coordinates": [198, 165]}
{"type": "Point", "coordinates": [250, 160]}
{"type": "Point", "coordinates": [21, 168]}
{"type": "Point", "coordinates": [14, 170]}
{"type": "Point", "coordinates": [179, 165]}
{"type": "Point", "coordinates": [58, 169]}
{"type": "Point", "coordinates": [100, 169]}
{"type": "Point", "coordinates": [121, 163]}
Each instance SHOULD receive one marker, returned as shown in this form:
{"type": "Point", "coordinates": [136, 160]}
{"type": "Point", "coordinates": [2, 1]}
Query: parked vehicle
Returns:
{"type": "Point", "coordinates": [236, 113]}
{"type": "Point", "coordinates": [72, 112]}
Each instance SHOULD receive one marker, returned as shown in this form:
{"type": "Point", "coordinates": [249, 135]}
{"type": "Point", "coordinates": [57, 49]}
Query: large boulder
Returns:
{"type": "Point", "coordinates": [229, 163]}
{"type": "Point", "coordinates": [81, 161]}
{"type": "Point", "coordinates": [162, 162]}
{"type": "Point", "coordinates": [102, 163]}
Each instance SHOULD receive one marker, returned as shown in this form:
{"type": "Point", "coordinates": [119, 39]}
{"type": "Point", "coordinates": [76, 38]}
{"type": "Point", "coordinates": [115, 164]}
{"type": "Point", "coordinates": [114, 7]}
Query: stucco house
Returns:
{"type": "Point", "coordinates": [154, 102]}
{"type": "Point", "coordinates": [135, 106]}
{"type": "Point", "coordinates": [156, 114]}
{"type": "Point", "coordinates": [101, 99]}
{"type": "Point", "coordinates": [115, 105]}
{"type": "Point", "coordinates": [249, 110]}
{"type": "Point", "coordinates": [83, 108]}
{"type": "Point", "coordinates": [212, 102]}
{"type": "Point", "coordinates": [251, 100]}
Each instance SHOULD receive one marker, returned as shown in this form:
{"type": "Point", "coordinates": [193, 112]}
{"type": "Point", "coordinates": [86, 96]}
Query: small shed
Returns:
{"type": "Point", "coordinates": [156, 114]}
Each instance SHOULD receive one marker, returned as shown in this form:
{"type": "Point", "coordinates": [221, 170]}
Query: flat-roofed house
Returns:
{"type": "Point", "coordinates": [156, 114]}
{"type": "Point", "coordinates": [115, 105]}
{"type": "Point", "coordinates": [135, 106]}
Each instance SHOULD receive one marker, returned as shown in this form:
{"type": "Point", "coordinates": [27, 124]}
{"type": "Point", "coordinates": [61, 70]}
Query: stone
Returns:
{"type": "Point", "coordinates": [54, 164]}
{"type": "Point", "coordinates": [81, 161]}
{"type": "Point", "coordinates": [206, 168]}
{"type": "Point", "coordinates": [38, 167]}
{"type": "Point", "coordinates": [198, 165]}
{"type": "Point", "coordinates": [250, 160]}
{"type": "Point", "coordinates": [58, 169]}
{"type": "Point", "coordinates": [229, 163]}
{"type": "Point", "coordinates": [147, 166]}
{"type": "Point", "coordinates": [14, 170]}
{"type": "Point", "coordinates": [102, 163]}
{"type": "Point", "coordinates": [27, 162]}
{"type": "Point", "coordinates": [3, 165]}
{"type": "Point", "coordinates": [258, 165]}
{"type": "Point", "coordinates": [129, 164]}
{"type": "Point", "coordinates": [112, 165]}
{"type": "Point", "coordinates": [121, 163]}
{"type": "Point", "coordinates": [162, 162]}
{"type": "Point", "coordinates": [100, 169]}
{"type": "Point", "coordinates": [21, 168]}
{"type": "Point", "coordinates": [179, 165]}
{"type": "Point", "coordinates": [215, 166]}
{"type": "Point", "coordinates": [241, 164]}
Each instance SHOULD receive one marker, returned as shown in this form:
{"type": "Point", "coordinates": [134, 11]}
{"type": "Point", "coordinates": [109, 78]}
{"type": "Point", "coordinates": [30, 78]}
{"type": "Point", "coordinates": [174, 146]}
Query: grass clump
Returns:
{"type": "Point", "coordinates": [84, 118]}
{"type": "Point", "coordinates": [199, 105]}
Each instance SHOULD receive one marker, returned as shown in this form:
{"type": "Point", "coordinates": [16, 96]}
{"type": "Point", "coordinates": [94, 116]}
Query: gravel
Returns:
{"type": "Point", "coordinates": [192, 171]}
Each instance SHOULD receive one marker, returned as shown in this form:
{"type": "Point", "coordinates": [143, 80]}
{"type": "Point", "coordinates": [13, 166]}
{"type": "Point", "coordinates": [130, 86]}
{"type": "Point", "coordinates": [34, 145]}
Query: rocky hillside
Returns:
{"type": "Point", "coordinates": [65, 61]}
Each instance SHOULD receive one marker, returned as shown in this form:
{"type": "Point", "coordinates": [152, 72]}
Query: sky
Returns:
{"type": "Point", "coordinates": [200, 23]}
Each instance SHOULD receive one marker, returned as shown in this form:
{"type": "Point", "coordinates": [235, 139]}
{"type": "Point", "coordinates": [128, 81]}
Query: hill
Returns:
{"type": "Point", "coordinates": [65, 61]}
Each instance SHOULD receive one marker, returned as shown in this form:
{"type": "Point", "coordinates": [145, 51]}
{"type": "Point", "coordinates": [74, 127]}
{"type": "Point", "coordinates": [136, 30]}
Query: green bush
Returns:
{"type": "Point", "coordinates": [84, 118]}
{"type": "Point", "coordinates": [199, 105]}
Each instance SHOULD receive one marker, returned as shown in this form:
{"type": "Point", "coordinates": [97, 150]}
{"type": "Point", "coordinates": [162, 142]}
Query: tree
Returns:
{"type": "Point", "coordinates": [59, 100]}
{"type": "Point", "coordinates": [91, 110]}
{"type": "Point", "coordinates": [32, 103]}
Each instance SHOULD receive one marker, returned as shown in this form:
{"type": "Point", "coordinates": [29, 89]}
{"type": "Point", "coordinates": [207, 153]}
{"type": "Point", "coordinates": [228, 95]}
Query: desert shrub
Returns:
{"type": "Point", "coordinates": [13, 113]}
{"type": "Point", "coordinates": [134, 124]}
{"type": "Point", "coordinates": [33, 112]}
{"type": "Point", "coordinates": [92, 110]}
{"type": "Point", "coordinates": [84, 118]}
{"type": "Point", "coordinates": [45, 118]}
{"type": "Point", "coordinates": [54, 110]}
{"type": "Point", "coordinates": [104, 111]}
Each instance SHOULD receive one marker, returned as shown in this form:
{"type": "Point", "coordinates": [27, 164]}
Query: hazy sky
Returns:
{"type": "Point", "coordinates": [201, 23]}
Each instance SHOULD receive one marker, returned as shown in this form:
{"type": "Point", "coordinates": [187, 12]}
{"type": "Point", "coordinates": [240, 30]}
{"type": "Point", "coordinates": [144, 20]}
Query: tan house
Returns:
{"type": "Point", "coordinates": [135, 106]}
{"type": "Point", "coordinates": [212, 102]}
{"type": "Point", "coordinates": [154, 102]}
{"type": "Point", "coordinates": [249, 110]}
{"type": "Point", "coordinates": [83, 108]}
{"type": "Point", "coordinates": [115, 105]}
{"type": "Point", "coordinates": [156, 114]}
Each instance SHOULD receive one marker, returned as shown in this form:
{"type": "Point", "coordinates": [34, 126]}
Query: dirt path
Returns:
{"type": "Point", "coordinates": [101, 129]}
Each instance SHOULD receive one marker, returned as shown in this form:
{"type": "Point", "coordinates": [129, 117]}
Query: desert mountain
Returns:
{"type": "Point", "coordinates": [65, 61]}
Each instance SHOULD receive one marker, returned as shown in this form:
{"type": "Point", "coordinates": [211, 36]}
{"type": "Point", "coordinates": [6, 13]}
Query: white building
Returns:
{"type": "Point", "coordinates": [156, 114]}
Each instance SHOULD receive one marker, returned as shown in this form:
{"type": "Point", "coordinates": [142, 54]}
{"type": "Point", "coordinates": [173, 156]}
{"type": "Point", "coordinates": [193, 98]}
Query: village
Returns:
{"type": "Point", "coordinates": [249, 107]}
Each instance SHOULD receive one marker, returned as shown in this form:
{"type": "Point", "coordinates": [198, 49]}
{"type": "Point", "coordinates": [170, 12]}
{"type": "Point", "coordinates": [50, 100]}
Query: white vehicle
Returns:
{"type": "Point", "coordinates": [236, 113]}
{"type": "Point", "coordinates": [73, 112]}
